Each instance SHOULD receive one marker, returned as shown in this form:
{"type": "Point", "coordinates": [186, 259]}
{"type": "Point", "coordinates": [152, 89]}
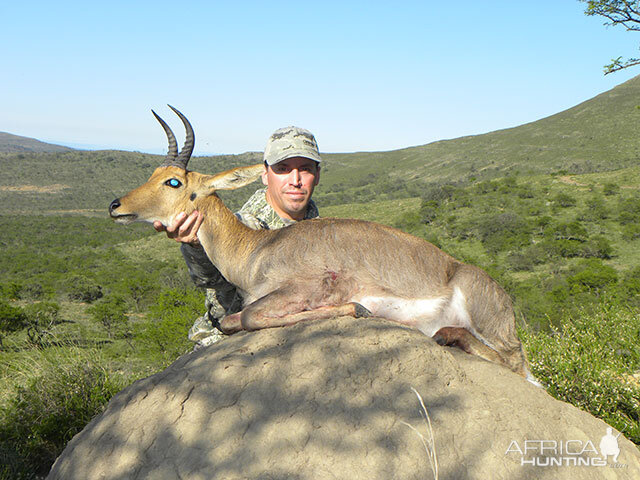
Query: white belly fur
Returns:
{"type": "Point", "coordinates": [426, 314]}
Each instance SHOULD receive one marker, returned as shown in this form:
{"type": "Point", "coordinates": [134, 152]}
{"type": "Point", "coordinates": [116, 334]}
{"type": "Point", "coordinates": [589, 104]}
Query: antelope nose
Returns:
{"type": "Point", "coordinates": [114, 205]}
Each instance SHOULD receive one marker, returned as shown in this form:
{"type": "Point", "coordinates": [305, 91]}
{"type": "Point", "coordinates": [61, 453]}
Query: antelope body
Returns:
{"type": "Point", "coordinates": [327, 266]}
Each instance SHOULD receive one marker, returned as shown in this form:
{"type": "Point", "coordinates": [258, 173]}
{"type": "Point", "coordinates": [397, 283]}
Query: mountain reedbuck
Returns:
{"type": "Point", "coordinates": [325, 267]}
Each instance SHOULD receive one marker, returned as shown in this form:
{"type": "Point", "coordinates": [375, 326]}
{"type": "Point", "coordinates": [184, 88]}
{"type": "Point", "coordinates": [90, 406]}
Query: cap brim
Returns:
{"type": "Point", "coordinates": [306, 154]}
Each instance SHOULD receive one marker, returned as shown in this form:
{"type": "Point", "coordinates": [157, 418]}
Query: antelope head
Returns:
{"type": "Point", "coordinates": [172, 188]}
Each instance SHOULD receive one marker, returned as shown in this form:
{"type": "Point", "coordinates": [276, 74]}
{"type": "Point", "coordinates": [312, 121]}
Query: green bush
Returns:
{"type": "Point", "coordinates": [137, 287]}
{"type": "Point", "coordinates": [590, 361]}
{"type": "Point", "coordinates": [82, 289]}
{"type": "Point", "coordinates": [610, 189]}
{"type": "Point", "coordinates": [41, 318]}
{"type": "Point", "coordinates": [12, 319]}
{"type": "Point", "coordinates": [44, 413]}
{"type": "Point", "coordinates": [564, 200]}
{"type": "Point", "coordinates": [597, 246]}
{"type": "Point", "coordinates": [428, 211]}
{"type": "Point", "coordinates": [592, 276]}
{"type": "Point", "coordinates": [567, 231]}
{"type": "Point", "coordinates": [630, 286]}
{"type": "Point", "coordinates": [504, 231]}
{"type": "Point", "coordinates": [170, 319]}
{"type": "Point", "coordinates": [528, 258]}
{"type": "Point", "coordinates": [111, 313]}
{"type": "Point", "coordinates": [34, 291]}
{"type": "Point", "coordinates": [596, 209]}
{"type": "Point", "coordinates": [629, 209]}
{"type": "Point", "coordinates": [10, 291]}
{"type": "Point", "coordinates": [631, 232]}
{"type": "Point", "coordinates": [410, 222]}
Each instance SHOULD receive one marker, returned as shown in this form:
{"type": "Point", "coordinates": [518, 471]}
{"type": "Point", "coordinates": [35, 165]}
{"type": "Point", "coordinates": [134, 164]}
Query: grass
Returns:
{"type": "Point", "coordinates": [385, 212]}
{"type": "Point", "coordinates": [54, 393]}
{"type": "Point", "coordinates": [428, 443]}
{"type": "Point", "coordinates": [592, 360]}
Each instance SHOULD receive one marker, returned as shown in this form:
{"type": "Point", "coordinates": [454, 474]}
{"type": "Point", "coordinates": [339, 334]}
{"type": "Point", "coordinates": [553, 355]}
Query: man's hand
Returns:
{"type": "Point", "coordinates": [184, 229]}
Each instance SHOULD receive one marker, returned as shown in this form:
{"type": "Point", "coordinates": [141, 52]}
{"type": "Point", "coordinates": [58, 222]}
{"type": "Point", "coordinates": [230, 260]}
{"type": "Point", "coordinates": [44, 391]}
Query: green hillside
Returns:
{"type": "Point", "coordinates": [600, 134]}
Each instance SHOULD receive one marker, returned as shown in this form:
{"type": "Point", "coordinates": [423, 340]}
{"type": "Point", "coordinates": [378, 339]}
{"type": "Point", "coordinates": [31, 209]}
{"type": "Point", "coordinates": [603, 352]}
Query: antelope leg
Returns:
{"type": "Point", "coordinates": [278, 310]}
{"type": "Point", "coordinates": [464, 339]}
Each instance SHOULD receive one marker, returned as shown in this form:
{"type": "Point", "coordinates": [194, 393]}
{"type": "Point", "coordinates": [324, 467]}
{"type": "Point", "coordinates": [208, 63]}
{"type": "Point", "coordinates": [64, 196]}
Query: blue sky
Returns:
{"type": "Point", "coordinates": [360, 75]}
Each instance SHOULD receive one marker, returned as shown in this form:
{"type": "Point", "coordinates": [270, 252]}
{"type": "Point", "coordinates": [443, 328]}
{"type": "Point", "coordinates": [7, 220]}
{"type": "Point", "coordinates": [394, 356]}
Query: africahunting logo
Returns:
{"type": "Point", "coordinates": [568, 453]}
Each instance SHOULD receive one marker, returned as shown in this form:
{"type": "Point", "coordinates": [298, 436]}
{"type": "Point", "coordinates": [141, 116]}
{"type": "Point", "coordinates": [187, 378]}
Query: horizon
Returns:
{"type": "Point", "coordinates": [362, 76]}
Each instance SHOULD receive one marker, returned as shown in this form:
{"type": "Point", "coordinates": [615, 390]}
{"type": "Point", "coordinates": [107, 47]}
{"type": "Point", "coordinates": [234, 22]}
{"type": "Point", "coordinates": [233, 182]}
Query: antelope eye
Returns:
{"type": "Point", "coordinates": [173, 182]}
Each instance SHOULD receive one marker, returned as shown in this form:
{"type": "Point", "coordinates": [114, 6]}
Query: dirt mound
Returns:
{"type": "Point", "coordinates": [333, 399]}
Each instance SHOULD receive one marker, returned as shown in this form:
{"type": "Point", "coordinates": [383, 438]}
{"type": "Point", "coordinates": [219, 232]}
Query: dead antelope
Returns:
{"type": "Point", "coordinates": [325, 267]}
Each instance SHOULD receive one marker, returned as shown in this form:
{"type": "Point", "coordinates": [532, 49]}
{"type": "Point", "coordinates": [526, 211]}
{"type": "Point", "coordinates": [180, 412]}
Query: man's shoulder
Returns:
{"type": "Point", "coordinates": [256, 202]}
{"type": "Point", "coordinates": [256, 213]}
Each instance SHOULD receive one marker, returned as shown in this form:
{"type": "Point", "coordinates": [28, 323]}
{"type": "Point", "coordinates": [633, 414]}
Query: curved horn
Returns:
{"type": "Point", "coordinates": [190, 140]}
{"type": "Point", "coordinates": [173, 145]}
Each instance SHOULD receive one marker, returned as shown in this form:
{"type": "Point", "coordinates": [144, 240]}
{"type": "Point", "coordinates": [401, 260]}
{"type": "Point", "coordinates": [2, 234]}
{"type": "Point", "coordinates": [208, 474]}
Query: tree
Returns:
{"type": "Point", "coordinates": [617, 12]}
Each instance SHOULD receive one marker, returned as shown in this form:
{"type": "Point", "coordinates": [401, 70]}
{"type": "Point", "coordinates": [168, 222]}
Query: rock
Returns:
{"type": "Point", "coordinates": [331, 400]}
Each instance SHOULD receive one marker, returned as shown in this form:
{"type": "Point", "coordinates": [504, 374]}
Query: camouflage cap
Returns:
{"type": "Point", "coordinates": [291, 142]}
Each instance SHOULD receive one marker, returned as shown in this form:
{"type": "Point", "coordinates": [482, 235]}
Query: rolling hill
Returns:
{"type": "Point", "coordinates": [600, 134]}
{"type": "Point", "coordinates": [597, 135]}
{"type": "Point", "coordinates": [16, 143]}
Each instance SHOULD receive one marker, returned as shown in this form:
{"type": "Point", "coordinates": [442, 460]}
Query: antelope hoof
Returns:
{"type": "Point", "coordinates": [230, 324]}
{"type": "Point", "coordinates": [448, 336]}
{"type": "Point", "coordinates": [360, 312]}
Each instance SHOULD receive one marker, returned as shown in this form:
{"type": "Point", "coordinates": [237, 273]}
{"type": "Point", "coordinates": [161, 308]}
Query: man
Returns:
{"type": "Point", "coordinates": [291, 172]}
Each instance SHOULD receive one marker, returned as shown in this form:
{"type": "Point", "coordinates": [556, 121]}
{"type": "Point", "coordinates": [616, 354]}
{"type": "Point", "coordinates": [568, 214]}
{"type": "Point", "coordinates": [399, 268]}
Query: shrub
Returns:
{"type": "Point", "coordinates": [504, 231]}
{"type": "Point", "coordinates": [564, 200]}
{"type": "Point", "coordinates": [33, 291]}
{"type": "Point", "coordinates": [596, 209]}
{"type": "Point", "coordinates": [519, 261]}
{"type": "Point", "coordinates": [597, 246]}
{"type": "Point", "coordinates": [590, 361]}
{"type": "Point", "coordinates": [428, 211]}
{"type": "Point", "coordinates": [12, 319]}
{"type": "Point", "coordinates": [410, 222]}
{"type": "Point", "coordinates": [630, 286]}
{"type": "Point", "coordinates": [610, 189]}
{"type": "Point", "coordinates": [170, 318]}
{"type": "Point", "coordinates": [44, 413]}
{"type": "Point", "coordinates": [111, 313]}
{"type": "Point", "coordinates": [566, 239]}
{"type": "Point", "coordinates": [629, 209]}
{"type": "Point", "coordinates": [528, 258]}
{"type": "Point", "coordinates": [137, 287]}
{"type": "Point", "coordinates": [41, 318]}
{"type": "Point", "coordinates": [592, 276]}
{"type": "Point", "coordinates": [439, 192]}
{"type": "Point", "coordinates": [631, 232]}
{"type": "Point", "coordinates": [10, 291]}
{"type": "Point", "coordinates": [82, 289]}
{"type": "Point", "coordinates": [627, 217]}
{"type": "Point", "coordinates": [567, 231]}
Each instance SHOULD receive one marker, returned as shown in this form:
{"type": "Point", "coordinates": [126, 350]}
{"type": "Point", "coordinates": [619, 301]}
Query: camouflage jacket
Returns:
{"type": "Point", "coordinates": [222, 298]}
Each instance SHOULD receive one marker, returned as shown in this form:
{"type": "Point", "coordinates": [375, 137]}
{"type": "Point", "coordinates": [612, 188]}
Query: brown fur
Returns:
{"type": "Point", "coordinates": [315, 268]}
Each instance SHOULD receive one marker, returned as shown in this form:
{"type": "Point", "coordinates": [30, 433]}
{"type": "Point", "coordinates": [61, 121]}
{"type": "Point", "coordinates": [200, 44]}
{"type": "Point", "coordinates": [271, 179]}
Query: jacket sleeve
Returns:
{"type": "Point", "coordinates": [202, 271]}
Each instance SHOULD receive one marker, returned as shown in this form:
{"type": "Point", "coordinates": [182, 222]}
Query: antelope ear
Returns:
{"type": "Point", "coordinates": [235, 178]}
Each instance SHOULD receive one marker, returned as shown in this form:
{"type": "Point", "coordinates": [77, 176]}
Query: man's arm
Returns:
{"type": "Point", "coordinates": [202, 271]}
{"type": "Point", "coordinates": [184, 229]}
